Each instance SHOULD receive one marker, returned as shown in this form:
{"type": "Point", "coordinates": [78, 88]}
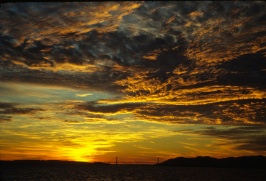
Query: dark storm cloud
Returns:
{"type": "Point", "coordinates": [230, 112]}
{"type": "Point", "coordinates": [251, 138]}
{"type": "Point", "coordinates": [245, 70]}
{"type": "Point", "coordinates": [101, 80]}
{"type": "Point", "coordinates": [68, 33]}
{"type": "Point", "coordinates": [161, 27]}
{"type": "Point", "coordinates": [124, 46]}
{"type": "Point", "coordinates": [242, 112]}
{"type": "Point", "coordinates": [194, 62]}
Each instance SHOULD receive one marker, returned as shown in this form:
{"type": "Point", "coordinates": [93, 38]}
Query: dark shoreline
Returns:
{"type": "Point", "coordinates": [229, 162]}
{"type": "Point", "coordinates": [200, 161]}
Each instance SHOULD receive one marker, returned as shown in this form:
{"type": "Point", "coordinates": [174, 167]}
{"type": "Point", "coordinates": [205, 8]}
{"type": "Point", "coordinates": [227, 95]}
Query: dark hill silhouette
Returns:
{"type": "Point", "coordinates": [230, 162]}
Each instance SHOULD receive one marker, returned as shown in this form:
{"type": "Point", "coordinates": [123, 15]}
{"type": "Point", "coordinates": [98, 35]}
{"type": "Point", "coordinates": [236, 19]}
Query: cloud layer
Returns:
{"type": "Point", "coordinates": [174, 63]}
{"type": "Point", "coordinates": [169, 54]}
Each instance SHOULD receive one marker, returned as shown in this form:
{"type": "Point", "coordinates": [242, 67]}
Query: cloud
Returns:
{"type": "Point", "coordinates": [181, 62]}
{"type": "Point", "coordinates": [14, 110]}
{"type": "Point", "coordinates": [93, 107]}
{"type": "Point", "coordinates": [4, 105]}
{"type": "Point", "coordinates": [251, 138]}
{"type": "Point", "coordinates": [7, 110]}
{"type": "Point", "coordinates": [245, 70]}
{"type": "Point", "coordinates": [4, 118]}
{"type": "Point", "coordinates": [63, 35]}
{"type": "Point", "coordinates": [229, 113]}
{"type": "Point", "coordinates": [83, 33]}
{"type": "Point", "coordinates": [94, 81]}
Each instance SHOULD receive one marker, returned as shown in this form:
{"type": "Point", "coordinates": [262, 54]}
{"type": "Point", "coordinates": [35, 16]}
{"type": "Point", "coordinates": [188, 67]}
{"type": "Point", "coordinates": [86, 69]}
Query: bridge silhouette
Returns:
{"type": "Point", "coordinates": [140, 163]}
{"type": "Point", "coordinates": [117, 162]}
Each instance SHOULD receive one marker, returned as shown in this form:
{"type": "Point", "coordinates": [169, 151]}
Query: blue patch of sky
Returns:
{"type": "Point", "coordinates": [32, 93]}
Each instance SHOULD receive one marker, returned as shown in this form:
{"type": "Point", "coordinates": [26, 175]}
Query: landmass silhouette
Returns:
{"type": "Point", "coordinates": [206, 161]}
{"type": "Point", "coordinates": [200, 161]}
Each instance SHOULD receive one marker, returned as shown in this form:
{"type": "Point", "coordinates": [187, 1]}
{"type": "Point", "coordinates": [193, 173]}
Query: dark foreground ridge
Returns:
{"type": "Point", "coordinates": [230, 162]}
{"type": "Point", "coordinates": [200, 161]}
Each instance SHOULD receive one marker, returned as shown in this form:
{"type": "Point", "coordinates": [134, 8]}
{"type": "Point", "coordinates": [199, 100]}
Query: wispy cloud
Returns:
{"type": "Point", "coordinates": [251, 138]}
{"type": "Point", "coordinates": [7, 110]}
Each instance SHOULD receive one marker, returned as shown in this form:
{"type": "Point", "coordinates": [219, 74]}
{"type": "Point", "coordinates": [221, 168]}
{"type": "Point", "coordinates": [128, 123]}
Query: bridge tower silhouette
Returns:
{"type": "Point", "coordinates": [158, 160]}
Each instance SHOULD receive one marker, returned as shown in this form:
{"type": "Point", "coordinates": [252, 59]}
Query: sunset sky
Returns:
{"type": "Point", "coordinates": [92, 81]}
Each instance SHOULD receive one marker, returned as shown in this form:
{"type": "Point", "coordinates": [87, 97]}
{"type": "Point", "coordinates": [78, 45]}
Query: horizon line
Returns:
{"type": "Point", "coordinates": [130, 162]}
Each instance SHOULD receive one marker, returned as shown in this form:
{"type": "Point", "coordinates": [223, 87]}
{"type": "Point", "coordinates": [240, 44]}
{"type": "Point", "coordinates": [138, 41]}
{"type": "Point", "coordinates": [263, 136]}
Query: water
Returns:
{"type": "Point", "coordinates": [86, 172]}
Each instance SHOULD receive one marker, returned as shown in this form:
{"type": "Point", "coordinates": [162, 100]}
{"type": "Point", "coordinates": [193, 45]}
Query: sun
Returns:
{"type": "Point", "coordinates": [80, 154]}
